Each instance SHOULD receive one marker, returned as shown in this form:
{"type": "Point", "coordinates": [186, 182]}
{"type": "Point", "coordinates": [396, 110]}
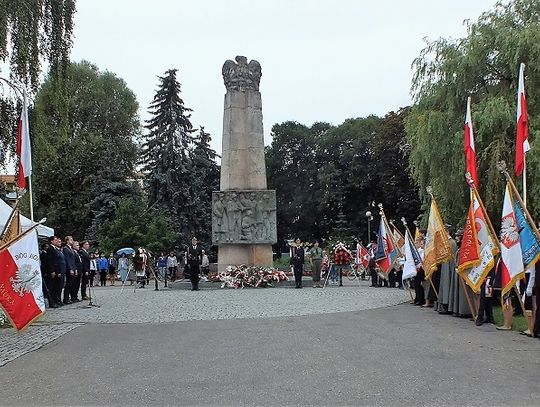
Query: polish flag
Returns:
{"type": "Point", "coordinates": [468, 146]}
{"type": "Point", "coordinates": [23, 148]}
{"type": "Point", "coordinates": [522, 132]}
{"type": "Point", "coordinates": [21, 294]}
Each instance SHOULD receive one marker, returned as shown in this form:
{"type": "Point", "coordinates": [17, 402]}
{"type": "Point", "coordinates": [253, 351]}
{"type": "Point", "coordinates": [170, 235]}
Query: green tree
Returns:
{"type": "Point", "coordinates": [134, 226]}
{"type": "Point", "coordinates": [326, 177]}
{"type": "Point", "coordinates": [483, 65]}
{"type": "Point", "coordinates": [31, 33]}
{"type": "Point", "coordinates": [205, 179]}
{"type": "Point", "coordinates": [167, 157]}
{"type": "Point", "coordinates": [84, 155]}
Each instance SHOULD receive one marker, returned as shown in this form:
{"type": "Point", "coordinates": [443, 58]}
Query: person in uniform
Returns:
{"type": "Point", "coordinates": [315, 259]}
{"type": "Point", "coordinates": [297, 261]}
{"type": "Point", "coordinates": [194, 259]}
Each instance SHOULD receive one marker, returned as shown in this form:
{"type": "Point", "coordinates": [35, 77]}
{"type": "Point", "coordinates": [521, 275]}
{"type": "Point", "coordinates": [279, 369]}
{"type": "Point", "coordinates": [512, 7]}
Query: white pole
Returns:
{"type": "Point", "coordinates": [31, 200]}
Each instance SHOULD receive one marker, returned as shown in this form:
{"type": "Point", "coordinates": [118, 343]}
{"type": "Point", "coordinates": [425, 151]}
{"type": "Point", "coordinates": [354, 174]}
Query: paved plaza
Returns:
{"type": "Point", "coordinates": [335, 346]}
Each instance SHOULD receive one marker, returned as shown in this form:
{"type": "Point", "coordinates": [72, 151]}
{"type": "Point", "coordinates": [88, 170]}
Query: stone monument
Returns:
{"type": "Point", "coordinates": [243, 211]}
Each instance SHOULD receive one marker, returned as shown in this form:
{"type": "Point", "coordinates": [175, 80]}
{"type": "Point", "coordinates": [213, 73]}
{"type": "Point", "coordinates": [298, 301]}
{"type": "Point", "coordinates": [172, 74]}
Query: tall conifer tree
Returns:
{"type": "Point", "coordinates": [167, 156]}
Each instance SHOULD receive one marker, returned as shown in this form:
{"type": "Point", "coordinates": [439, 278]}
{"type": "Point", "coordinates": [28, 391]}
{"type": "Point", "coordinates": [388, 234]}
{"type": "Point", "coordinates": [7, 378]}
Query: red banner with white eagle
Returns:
{"type": "Point", "coordinates": [21, 294]}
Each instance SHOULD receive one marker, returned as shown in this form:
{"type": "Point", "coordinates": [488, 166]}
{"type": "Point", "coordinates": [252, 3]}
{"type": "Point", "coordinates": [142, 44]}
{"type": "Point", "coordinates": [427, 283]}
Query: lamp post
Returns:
{"type": "Point", "coordinates": [369, 217]}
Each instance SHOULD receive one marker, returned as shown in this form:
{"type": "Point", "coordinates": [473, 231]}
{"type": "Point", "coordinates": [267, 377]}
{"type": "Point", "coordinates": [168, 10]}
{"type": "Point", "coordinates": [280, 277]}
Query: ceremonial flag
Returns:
{"type": "Point", "coordinates": [530, 245]}
{"type": "Point", "coordinates": [469, 250]}
{"type": "Point", "coordinates": [468, 146]}
{"type": "Point", "coordinates": [510, 245]}
{"type": "Point", "coordinates": [21, 294]}
{"type": "Point", "coordinates": [399, 240]}
{"type": "Point", "coordinates": [417, 234]}
{"type": "Point", "coordinates": [412, 258]}
{"type": "Point", "coordinates": [437, 249]}
{"type": "Point", "coordinates": [478, 247]}
{"type": "Point", "coordinates": [386, 253]}
{"type": "Point", "coordinates": [23, 148]}
{"type": "Point", "coordinates": [12, 228]}
{"type": "Point", "coordinates": [522, 131]}
{"type": "Point", "coordinates": [362, 255]}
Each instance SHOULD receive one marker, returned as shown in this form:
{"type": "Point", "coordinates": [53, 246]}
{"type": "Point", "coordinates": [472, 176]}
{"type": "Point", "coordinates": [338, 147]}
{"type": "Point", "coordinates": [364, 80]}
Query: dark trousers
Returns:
{"type": "Point", "coordinates": [103, 277]}
{"type": "Point", "coordinates": [536, 291]}
{"type": "Point", "coordinates": [485, 306]}
{"type": "Point", "coordinates": [374, 277]}
{"type": "Point", "coordinates": [399, 277]}
{"type": "Point", "coordinates": [67, 286]}
{"type": "Point", "coordinates": [420, 297]}
{"type": "Point", "coordinates": [59, 282]}
{"type": "Point", "coordinates": [435, 279]}
{"type": "Point", "coordinates": [298, 269]}
{"type": "Point", "coordinates": [194, 275]}
{"type": "Point", "coordinates": [84, 284]}
{"type": "Point", "coordinates": [392, 278]}
{"type": "Point", "coordinates": [46, 283]}
{"type": "Point", "coordinates": [75, 285]}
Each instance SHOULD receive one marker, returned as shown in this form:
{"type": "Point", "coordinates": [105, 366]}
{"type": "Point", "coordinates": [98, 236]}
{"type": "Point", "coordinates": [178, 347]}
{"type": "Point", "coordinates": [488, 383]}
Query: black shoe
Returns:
{"type": "Point", "coordinates": [53, 306]}
{"type": "Point", "coordinates": [195, 289]}
{"type": "Point", "coordinates": [479, 322]}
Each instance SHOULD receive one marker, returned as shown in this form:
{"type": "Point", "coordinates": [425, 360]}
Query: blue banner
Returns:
{"type": "Point", "coordinates": [530, 247]}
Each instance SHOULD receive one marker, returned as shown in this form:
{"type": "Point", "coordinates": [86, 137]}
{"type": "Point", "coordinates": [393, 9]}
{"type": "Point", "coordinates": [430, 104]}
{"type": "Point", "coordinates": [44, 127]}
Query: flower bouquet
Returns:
{"type": "Point", "coordinates": [250, 276]}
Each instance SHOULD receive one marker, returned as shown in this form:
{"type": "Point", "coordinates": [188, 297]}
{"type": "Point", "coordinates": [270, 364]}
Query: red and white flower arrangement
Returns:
{"type": "Point", "coordinates": [250, 276]}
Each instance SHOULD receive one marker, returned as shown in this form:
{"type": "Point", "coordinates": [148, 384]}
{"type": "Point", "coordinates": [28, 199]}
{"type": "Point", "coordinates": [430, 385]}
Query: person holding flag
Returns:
{"type": "Point", "coordinates": [519, 243]}
{"type": "Point", "coordinates": [20, 281]}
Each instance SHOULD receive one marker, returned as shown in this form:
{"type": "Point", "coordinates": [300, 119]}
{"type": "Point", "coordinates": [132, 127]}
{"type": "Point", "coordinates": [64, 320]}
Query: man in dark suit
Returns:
{"type": "Point", "coordinates": [194, 259]}
{"type": "Point", "coordinates": [56, 268]}
{"type": "Point", "coordinates": [85, 273]}
{"type": "Point", "coordinates": [45, 277]}
{"type": "Point", "coordinates": [76, 283]}
{"type": "Point", "coordinates": [71, 269]}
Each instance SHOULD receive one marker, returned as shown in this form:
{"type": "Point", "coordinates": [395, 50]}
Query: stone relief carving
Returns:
{"type": "Point", "coordinates": [247, 216]}
{"type": "Point", "coordinates": [241, 76]}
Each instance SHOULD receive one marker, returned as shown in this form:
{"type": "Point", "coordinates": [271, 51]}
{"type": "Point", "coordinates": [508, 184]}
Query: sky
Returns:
{"type": "Point", "coordinates": [321, 60]}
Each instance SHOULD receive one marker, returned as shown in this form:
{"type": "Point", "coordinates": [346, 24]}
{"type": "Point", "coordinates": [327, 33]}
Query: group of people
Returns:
{"type": "Point", "coordinates": [446, 293]}
{"type": "Point", "coordinates": [66, 270]}
{"type": "Point", "coordinates": [171, 266]}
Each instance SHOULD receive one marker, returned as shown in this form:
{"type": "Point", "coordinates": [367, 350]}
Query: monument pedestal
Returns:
{"type": "Point", "coordinates": [236, 254]}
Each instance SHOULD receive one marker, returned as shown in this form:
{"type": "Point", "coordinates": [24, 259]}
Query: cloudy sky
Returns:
{"type": "Point", "coordinates": [321, 60]}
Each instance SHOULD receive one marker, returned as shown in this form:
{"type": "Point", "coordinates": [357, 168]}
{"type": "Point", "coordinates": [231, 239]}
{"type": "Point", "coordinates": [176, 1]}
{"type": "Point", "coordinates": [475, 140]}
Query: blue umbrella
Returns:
{"type": "Point", "coordinates": [126, 250]}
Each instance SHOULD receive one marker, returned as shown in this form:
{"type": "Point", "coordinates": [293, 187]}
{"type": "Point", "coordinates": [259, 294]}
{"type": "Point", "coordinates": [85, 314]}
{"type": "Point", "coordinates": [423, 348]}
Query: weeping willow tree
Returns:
{"type": "Point", "coordinates": [484, 65]}
{"type": "Point", "coordinates": [32, 32]}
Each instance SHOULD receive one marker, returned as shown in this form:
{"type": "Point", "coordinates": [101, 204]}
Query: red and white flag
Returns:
{"type": "Point", "coordinates": [21, 294]}
{"type": "Point", "coordinates": [511, 256]}
{"type": "Point", "coordinates": [468, 146]}
{"type": "Point", "coordinates": [522, 131]}
{"type": "Point", "coordinates": [24, 152]}
{"type": "Point", "coordinates": [362, 255]}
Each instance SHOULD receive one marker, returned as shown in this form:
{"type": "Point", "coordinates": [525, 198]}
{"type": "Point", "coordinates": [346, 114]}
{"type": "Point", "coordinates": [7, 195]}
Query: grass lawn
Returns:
{"type": "Point", "coordinates": [518, 322]}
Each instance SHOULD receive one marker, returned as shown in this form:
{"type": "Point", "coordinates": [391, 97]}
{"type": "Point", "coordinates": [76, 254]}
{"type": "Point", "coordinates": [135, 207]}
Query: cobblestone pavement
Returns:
{"type": "Point", "coordinates": [149, 306]}
{"type": "Point", "coordinates": [13, 344]}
